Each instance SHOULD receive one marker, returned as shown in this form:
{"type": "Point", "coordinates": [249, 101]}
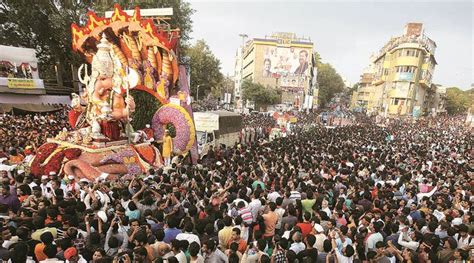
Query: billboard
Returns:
{"type": "Point", "coordinates": [283, 62]}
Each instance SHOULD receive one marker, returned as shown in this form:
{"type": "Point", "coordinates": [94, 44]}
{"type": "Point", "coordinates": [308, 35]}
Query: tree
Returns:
{"type": "Point", "coordinates": [43, 25]}
{"type": "Point", "coordinates": [458, 101]}
{"type": "Point", "coordinates": [329, 81]}
{"type": "Point", "coordinates": [205, 72]}
{"type": "Point", "coordinates": [261, 95]}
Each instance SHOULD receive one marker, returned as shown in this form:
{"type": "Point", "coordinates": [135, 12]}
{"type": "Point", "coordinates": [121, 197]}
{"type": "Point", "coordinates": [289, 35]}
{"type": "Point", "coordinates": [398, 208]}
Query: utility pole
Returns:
{"type": "Point", "coordinates": [243, 36]}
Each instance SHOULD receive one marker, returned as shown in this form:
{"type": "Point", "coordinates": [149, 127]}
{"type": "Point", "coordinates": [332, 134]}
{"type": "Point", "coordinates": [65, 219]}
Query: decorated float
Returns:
{"type": "Point", "coordinates": [123, 53]}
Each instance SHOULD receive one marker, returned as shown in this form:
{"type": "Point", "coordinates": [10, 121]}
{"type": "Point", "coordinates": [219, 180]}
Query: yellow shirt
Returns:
{"type": "Point", "coordinates": [224, 236]}
{"type": "Point", "coordinates": [167, 146]}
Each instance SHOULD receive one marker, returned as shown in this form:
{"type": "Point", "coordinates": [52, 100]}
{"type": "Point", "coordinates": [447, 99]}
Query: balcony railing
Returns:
{"type": "Point", "coordinates": [422, 40]}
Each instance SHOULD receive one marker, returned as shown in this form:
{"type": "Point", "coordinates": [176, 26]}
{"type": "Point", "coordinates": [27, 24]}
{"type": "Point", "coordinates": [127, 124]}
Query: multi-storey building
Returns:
{"type": "Point", "coordinates": [281, 61]}
{"type": "Point", "coordinates": [403, 71]}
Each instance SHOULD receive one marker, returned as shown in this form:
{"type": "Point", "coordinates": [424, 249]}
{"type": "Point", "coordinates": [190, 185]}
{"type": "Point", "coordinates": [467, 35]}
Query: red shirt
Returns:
{"type": "Point", "coordinates": [306, 228]}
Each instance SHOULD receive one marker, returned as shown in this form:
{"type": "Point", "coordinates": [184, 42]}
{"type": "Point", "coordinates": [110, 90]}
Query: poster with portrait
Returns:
{"type": "Point", "coordinates": [286, 61]}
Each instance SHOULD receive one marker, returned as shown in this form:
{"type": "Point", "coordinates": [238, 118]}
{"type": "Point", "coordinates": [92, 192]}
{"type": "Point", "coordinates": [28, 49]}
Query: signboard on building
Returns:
{"type": "Point", "coordinates": [414, 29]}
{"type": "Point", "coordinates": [21, 84]}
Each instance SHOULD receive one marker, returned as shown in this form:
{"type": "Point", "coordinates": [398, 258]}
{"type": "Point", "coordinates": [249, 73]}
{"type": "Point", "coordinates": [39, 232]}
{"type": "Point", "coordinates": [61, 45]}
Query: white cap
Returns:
{"type": "Point", "coordinates": [102, 177]}
{"type": "Point", "coordinates": [150, 177]}
{"type": "Point", "coordinates": [83, 180]}
{"type": "Point", "coordinates": [44, 177]}
{"type": "Point", "coordinates": [318, 228]}
{"type": "Point", "coordinates": [52, 173]}
{"type": "Point", "coordinates": [148, 125]}
{"type": "Point", "coordinates": [21, 171]}
{"type": "Point", "coordinates": [218, 163]}
{"type": "Point", "coordinates": [456, 221]}
{"type": "Point", "coordinates": [70, 177]}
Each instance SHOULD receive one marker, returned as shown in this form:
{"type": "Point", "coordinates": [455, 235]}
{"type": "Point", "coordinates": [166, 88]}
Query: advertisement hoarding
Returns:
{"type": "Point", "coordinates": [291, 65]}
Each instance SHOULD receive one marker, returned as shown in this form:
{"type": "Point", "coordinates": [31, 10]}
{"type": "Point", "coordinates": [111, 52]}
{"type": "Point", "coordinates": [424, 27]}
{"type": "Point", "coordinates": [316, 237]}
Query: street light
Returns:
{"type": "Point", "coordinates": [197, 91]}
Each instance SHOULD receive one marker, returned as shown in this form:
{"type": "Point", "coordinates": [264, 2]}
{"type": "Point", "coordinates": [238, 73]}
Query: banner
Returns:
{"type": "Point", "coordinates": [21, 84]}
{"type": "Point", "coordinates": [286, 61]}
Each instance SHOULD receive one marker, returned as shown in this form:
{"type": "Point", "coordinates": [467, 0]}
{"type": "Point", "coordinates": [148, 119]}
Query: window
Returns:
{"type": "Point", "coordinates": [397, 101]}
{"type": "Point", "coordinates": [409, 52]}
{"type": "Point", "coordinates": [406, 69]}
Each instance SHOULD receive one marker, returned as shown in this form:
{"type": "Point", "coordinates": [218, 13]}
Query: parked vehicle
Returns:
{"type": "Point", "coordinates": [214, 128]}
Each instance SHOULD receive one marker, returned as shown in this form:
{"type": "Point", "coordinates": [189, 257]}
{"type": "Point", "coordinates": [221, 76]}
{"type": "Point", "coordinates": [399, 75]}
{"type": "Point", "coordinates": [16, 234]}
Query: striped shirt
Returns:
{"type": "Point", "coordinates": [295, 195]}
{"type": "Point", "coordinates": [246, 215]}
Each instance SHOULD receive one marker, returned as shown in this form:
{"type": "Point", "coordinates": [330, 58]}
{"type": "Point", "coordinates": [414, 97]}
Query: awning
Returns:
{"type": "Point", "coordinates": [32, 103]}
{"type": "Point", "coordinates": [33, 99]}
{"type": "Point", "coordinates": [29, 107]}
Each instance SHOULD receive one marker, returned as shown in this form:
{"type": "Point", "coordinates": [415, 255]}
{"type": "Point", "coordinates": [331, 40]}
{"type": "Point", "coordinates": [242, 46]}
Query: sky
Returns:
{"type": "Point", "coordinates": [345, 33]}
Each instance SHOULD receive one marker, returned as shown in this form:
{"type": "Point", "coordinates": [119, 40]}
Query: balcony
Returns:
{"type": "Point", "coordinates": [422, 40]}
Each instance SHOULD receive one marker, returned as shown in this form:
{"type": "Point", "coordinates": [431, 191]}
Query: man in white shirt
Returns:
{"type": "Point", "coordinates": [375, 236]}
{"type": "Point", "coordinates": [297, 245]}
{"type": "Point", "coordinates": [178, 253]}
{"type": "Point", "coordinates": [280, 212]}
{"type": "Point", "coordinates": [272, 197]}
{"type": "Point", "coordinates": [188, 234]}
{"type": "Point", "coordinates": [346, 256]}
{"type": "Point", "coordinates": [255, 205]}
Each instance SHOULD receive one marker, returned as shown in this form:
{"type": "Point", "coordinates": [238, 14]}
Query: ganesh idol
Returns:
{"type": "Point", "coordinates": [108, 104]}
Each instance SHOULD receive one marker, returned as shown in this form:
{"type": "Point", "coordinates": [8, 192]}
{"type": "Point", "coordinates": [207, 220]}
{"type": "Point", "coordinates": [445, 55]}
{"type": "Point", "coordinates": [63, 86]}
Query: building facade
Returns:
{"type": "Point", "coordinates": [281, 61]}
{"type": "Point", "coordinates": [401, 81]}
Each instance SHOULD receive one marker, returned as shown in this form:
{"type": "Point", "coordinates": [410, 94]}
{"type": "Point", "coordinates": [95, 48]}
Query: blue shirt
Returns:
{"type": "Point", "coordinates": [170, 234]}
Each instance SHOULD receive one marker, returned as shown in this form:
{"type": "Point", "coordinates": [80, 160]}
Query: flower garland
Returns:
{"type": "Point", "coordinates": [127, 157]}
{"type": "Point", "coordinates": [183, 123]}
{"type": "Point", "coordinates": [146, 152]}
{"type": "Point", "coordinates": [44, 151]}
{"type": "Point", "coordinates": [50, 158]}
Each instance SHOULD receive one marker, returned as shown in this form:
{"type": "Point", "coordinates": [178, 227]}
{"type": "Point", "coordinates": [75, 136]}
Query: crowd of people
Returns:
{"type": "Point", "coordinates": [346, 194]}
{"type": "Point", "coordinates": [29, 131]}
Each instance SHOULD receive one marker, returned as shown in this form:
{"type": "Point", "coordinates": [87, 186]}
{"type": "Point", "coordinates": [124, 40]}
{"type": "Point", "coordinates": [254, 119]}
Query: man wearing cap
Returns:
{"type": "Point", "coordinates": [72, 186]}
{"type": "Point", "coordinates": [167, 147]}
{"type": "Point", "coordinates": [29, 154]}
{"type": "Point", "coordinates": [149, 132]}
{"type": "Point", "coordinates": [72, 256]}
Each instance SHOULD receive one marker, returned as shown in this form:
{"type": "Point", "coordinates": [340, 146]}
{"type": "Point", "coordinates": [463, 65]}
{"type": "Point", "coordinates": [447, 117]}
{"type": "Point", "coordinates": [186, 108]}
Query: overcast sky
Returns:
{"type": "Point", "coordinates": [345, 33]}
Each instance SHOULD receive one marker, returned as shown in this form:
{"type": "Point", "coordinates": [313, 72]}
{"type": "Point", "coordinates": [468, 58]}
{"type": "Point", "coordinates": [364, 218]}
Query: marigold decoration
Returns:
{"type": "Point", "coordinates": [182, 121]}
{"type": "Point", "coordinates": [50, 157]}
{"type": "Point", "coordinates": [146, 152]}
{"type": "Point", "coordinates": [43, 152]}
